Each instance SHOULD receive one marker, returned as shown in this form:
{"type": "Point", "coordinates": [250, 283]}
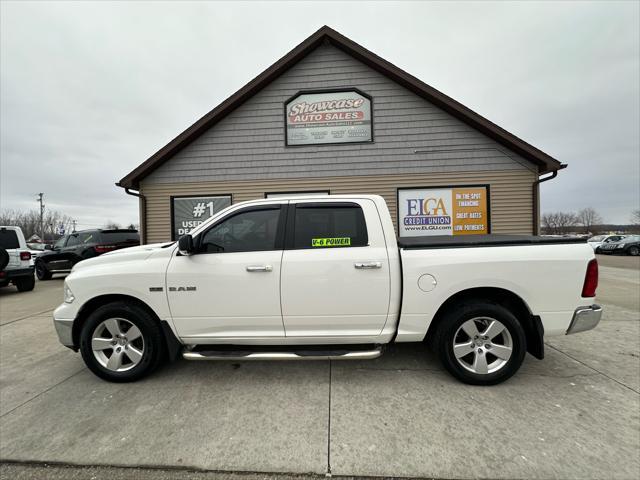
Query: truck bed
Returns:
{"type": "Point", "coordinates": [491, 240]}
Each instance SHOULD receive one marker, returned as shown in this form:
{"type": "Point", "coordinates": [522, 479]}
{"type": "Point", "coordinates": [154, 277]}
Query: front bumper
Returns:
{"type": "Point", "coordinates": [64, 325]}
{"type": "Point", "coordinates": [585, 318]}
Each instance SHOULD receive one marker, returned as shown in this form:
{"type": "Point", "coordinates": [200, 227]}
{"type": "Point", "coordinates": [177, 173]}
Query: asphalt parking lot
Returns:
{"type": "Point", "coordinates": [574, 415]}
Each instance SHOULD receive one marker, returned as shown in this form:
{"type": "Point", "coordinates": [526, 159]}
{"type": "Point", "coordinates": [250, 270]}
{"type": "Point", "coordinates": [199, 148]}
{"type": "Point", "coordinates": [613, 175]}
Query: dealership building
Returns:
{"type": "Point", "coordinates": [331, 117]}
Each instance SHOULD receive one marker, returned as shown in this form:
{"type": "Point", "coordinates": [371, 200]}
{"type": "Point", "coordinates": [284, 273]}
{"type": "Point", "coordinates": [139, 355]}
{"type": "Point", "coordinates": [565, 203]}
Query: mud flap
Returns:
{"type": "Point", "coordinates": [535, 337]}
{"type": "Point", "coordinates": [174, 347]}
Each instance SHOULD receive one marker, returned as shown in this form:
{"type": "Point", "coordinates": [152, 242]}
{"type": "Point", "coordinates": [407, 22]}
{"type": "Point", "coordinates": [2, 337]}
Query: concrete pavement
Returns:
{"type": "Point", "coordinates": [573, 415]}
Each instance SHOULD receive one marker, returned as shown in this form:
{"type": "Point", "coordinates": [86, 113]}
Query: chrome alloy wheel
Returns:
{"type": "Point", "coordinates": [117, 344]}
{"type": "Point", "coordinates": [482, 345]}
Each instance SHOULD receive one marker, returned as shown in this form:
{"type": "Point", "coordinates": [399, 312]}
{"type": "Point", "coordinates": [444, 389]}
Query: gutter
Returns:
{"type": "Point", "coordinates": [536, 197]}
{"type": "Point", "coordinates": [143, 212]}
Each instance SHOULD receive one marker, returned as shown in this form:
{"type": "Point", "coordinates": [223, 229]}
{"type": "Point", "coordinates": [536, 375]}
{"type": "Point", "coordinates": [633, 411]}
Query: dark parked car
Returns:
{"type": "Point", "coordinates": [79, 246]}
{"type": "Point", "coordinates": [627, 246]}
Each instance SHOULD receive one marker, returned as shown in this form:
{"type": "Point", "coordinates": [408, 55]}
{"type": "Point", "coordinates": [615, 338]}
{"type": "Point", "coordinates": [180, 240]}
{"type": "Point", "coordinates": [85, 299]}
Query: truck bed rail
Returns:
{"type": "Point", "coordinates": [491, 240]}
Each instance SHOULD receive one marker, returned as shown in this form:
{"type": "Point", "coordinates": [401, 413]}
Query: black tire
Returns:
{"type": "Point", "coordinates": [452, 322]}
{"type": "Point", "coordinates": [4, 258]}
{"type": "Point", "coordinates": [154, 344]}
{"type": "Point", "coordinates": [42, 272]}
{"type": "Point", "coordinates": [633, 250]}
{"type": "Point", "coordinates": [25, 284]}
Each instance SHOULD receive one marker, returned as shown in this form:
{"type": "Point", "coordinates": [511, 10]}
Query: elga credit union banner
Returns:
{"type": "Point", "coordinates": [443, 211]}
{"type": "Point", "coordinates": [189, 212]}
{"type": "Point", "coordinates": [331, 117]}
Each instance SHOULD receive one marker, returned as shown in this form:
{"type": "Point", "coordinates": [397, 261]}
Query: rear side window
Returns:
{"type": "Point", "coordinates": [330, 226]}
{"type": "Point", "coordinates": [9, 239]}
{"type": "Point", "coordinates": [118, 237]}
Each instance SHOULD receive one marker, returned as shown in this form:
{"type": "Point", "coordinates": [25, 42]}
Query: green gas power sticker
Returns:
{"type": "Point", "coordinates": [331, 242]}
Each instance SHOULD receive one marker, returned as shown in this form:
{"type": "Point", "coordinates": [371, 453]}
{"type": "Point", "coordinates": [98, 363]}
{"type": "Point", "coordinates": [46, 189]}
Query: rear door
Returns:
{"type": "Point", "coordinates": [335, 270]}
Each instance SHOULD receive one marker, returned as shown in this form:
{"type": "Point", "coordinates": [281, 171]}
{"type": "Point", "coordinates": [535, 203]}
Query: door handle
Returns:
{"type": "Point", "coordinates": [259, 268]}
{"type": "Point", "coordinates": [367, 265]}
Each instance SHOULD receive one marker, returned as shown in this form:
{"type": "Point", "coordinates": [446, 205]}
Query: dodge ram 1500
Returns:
{"type": "Point", "coordinates": [325, 277]}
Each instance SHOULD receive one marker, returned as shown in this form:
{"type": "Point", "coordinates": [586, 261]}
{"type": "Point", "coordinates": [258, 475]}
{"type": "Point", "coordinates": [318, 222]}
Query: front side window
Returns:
{"type": "Point", "coordinates": [60, 243]}
{"type": "Point", "coordinates": [250, 231]}
{"type": "Point", "coordinates": [329, 226]}
{"type": "Point", "coordinates": [73, 241]}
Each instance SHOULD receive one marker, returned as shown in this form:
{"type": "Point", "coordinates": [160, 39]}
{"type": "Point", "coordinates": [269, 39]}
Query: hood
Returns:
{"type": "Point", "coordinates": [140, 252]}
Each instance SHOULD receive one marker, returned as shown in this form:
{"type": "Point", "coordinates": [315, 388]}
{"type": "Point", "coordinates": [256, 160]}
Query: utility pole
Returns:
{"type": "Point", "coordinates": [40, 198]}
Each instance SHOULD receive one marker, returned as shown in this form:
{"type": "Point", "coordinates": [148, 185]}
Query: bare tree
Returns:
{"type": "Point", "coordinates": [635, 217]}
{"type": "Point", "coordinates": [111, 225]}
{"type": "Point", "coordinates": [559, 223]}
{"type": "Point", "coordinates": [29, 221]}
{"type": "Point", "coordinates": [588, 217]}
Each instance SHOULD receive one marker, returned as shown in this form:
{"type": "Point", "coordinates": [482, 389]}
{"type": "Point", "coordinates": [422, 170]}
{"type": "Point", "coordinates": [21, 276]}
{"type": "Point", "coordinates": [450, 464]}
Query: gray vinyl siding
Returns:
{"type": "Point", "coordinates": [411, 135]}
{"type": "Point", "coordinates": [511, 198]}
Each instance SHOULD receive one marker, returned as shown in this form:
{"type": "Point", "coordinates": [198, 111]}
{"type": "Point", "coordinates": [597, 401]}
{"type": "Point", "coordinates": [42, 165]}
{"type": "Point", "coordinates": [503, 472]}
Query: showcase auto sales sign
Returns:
{"type": "Point", "coordinates": [329, 117]}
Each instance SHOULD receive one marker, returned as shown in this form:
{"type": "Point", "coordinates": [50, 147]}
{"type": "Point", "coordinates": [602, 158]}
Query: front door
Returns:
{"type": "Point", "coordinates": [230, 288]}
{"type": "Point", "coordinates": [335, 271]}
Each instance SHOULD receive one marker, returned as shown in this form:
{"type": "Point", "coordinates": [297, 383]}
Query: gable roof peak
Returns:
{"type": "Point", "coordinates": [545, 162]}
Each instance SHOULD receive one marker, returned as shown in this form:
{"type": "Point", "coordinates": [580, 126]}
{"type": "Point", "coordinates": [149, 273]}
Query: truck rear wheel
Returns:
{"type": "Point", "coordinates": [121, 342]}
{"type": "Point", "coordinates": [480, 343]}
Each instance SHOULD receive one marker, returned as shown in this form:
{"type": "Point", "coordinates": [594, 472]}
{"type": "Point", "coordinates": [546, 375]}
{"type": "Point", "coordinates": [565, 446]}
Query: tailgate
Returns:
{"type": "Point", "coordinates": [14, 259]}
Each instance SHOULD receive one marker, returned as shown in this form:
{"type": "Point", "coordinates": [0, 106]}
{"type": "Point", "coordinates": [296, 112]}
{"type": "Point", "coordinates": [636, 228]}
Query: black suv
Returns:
{"type": "Point", "coordinates": [79, 246]}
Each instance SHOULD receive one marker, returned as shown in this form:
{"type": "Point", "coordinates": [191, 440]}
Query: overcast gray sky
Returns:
{"type": "Point", "coordinates": [90, 90]}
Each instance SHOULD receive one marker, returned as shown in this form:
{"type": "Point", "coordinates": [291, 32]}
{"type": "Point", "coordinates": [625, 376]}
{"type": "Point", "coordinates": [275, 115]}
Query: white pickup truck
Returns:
{"type": "Point", "coordinates": [325, 277]}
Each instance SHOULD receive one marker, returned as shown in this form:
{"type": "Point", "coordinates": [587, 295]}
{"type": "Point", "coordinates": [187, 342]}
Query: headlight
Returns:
{"type": "Point", "coordinates": [68, 294]}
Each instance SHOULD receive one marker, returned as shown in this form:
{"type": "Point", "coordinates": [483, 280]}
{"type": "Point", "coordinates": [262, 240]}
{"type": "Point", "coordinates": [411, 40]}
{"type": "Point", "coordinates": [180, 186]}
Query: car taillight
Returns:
{"type": "Point", "coordinates": [104, 248]}
{"type": "Point", "coordinates": [591, 279]}
{"type": "Point", "coordinates": [25, 256]}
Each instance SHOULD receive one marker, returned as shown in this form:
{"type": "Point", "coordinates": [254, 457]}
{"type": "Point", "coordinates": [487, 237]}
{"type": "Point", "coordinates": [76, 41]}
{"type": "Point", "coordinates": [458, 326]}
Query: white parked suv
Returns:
{"type": "Point", "coordinates": [598, 241]}
{"type": "Point", "coordinates": [324, 277]}
{"type": "Point", "coordinates": [15, 260]}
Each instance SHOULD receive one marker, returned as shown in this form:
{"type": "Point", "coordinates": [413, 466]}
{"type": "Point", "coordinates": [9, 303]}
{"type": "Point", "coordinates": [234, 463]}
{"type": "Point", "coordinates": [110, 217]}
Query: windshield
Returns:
{"type": "Point", "coordinates": [597, 238]}
{"type": "Point", "coordinates": [35, 246]}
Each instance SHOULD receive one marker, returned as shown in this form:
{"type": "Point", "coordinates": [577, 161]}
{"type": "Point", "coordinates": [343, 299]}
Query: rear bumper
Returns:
{"type": "Point", "coordinates": [8, 275]}
{"type": "Point", "coordinates": [585, 318]}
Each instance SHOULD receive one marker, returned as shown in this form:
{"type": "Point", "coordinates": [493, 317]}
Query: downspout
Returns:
{"type": "Point", "coordinates": [536, 197]}
{"type": "Point", "coordinates": [143, 213]}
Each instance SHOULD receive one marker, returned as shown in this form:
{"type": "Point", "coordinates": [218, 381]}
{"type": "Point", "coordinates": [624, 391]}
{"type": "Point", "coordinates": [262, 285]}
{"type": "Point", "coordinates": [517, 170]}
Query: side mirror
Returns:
{"type": "Point", "coordinates": [185, 245]}
{"type": "Point", "coordinates": [48, 247]}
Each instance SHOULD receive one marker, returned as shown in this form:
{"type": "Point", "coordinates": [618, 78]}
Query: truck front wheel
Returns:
{"type": "Point", "coordinates": [480, 343]}
{"type": "Point", "coordinates": [121, 342]}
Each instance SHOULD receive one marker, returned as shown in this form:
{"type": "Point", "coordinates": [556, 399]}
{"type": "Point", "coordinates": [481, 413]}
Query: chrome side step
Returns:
{"type": "Point", "coordinates": [318, 355]}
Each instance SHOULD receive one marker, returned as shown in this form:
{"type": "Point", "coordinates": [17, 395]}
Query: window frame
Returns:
{"type": "Point", "coordinates": [289, 235]}
{"type": "Point", "coordinates": [280, 229]}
